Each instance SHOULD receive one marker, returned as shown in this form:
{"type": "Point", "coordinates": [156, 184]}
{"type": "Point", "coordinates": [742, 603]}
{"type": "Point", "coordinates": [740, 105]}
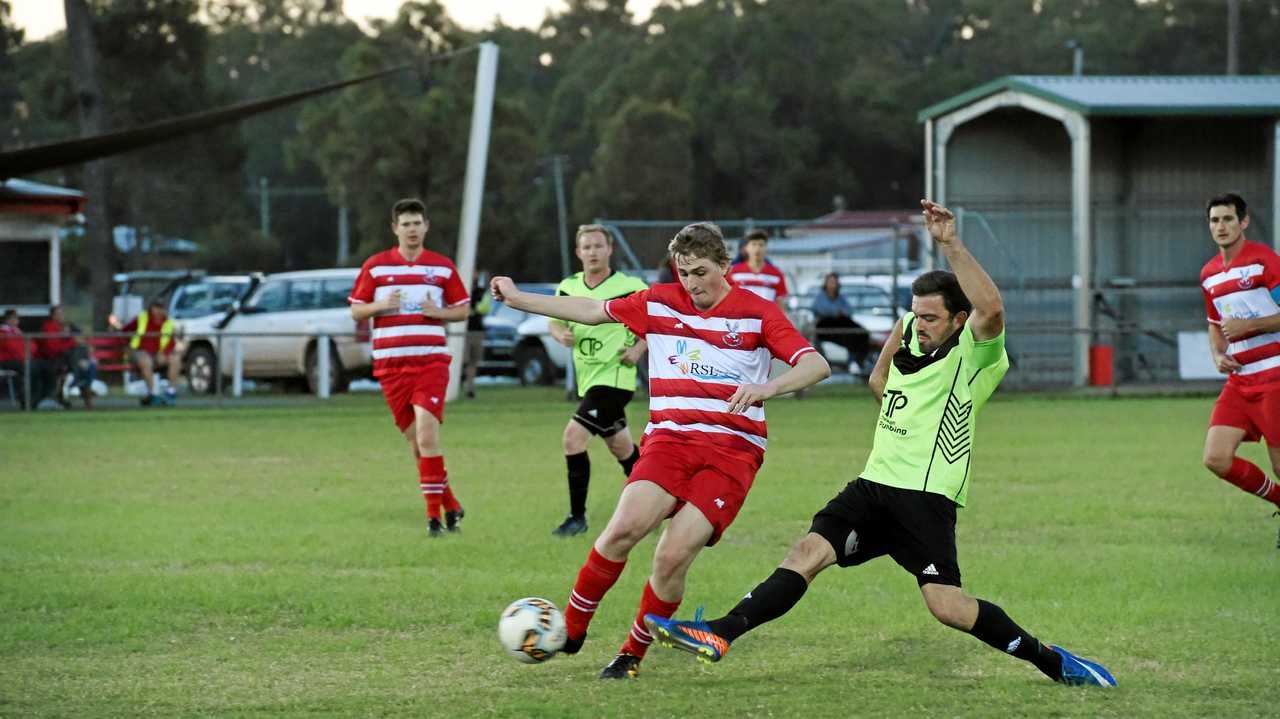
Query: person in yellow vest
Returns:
{"type": "Point", "coordinates": [151, 348]}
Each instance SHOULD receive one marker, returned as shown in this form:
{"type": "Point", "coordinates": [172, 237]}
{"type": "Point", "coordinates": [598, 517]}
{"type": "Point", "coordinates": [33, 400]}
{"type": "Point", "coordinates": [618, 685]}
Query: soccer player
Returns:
{"type": "Point", "coordinates": [604, 363]}
{"type": "Point", "coordinates": [410, 292]}
{"type": "Point", "coordinates": [710, 348]}
{"type": "Point", "coordinates": [1241, 286]}
{"type": "Point", "coordinates": [757, 274]}
{"type": "Point", "coordinates": [938, 369]}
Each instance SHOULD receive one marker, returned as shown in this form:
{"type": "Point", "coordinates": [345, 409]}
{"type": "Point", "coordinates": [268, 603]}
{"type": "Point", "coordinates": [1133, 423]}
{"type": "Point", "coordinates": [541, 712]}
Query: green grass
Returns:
{"type": "Point", "coordinates": [274, 562]}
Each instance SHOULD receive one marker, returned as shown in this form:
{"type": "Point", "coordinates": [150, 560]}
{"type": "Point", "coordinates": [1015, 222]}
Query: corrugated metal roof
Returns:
{"type": "Point", "coordinates": [1135, 95]}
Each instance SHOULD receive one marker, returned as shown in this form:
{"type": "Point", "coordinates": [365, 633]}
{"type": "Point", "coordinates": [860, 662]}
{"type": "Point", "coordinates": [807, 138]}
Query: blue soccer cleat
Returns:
{"type": "Point", "coordinates": [1077, 671]}
{"type": "Point", "coordinates": [694, 637]}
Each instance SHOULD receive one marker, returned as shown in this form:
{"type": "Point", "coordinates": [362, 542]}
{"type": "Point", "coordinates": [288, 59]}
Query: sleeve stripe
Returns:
{"type": "Point", "coordinates": [608, 312]}
{"type": "Point", "coordinates": [799, 352]}
{"type": "Point", "coordinates": [355, 301]}
{"type": "Point", "coordinates": [460, 303]}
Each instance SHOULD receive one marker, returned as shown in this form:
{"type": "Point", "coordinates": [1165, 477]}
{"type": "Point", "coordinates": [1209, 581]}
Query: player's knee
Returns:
{"type": "Point", "coordinates": [575, 438]}
{"type": "Point", "coordinates": [809, 556]}
{"type": "Point", "coordinates": [1217, 462]}
{"type": "Point", "coordinates": [621, 535]}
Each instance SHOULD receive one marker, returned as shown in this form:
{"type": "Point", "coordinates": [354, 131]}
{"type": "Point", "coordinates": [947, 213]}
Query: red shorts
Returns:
{"type": "Point", "coordinates": [424, 388]}
{"type": "Point", "coordinates": [1256, 411]}
{"type": "Point", "coordinates": [716, 482]}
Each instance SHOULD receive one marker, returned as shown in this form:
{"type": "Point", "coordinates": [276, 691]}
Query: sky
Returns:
{"type": "Point", "coordinates": [41, 18]}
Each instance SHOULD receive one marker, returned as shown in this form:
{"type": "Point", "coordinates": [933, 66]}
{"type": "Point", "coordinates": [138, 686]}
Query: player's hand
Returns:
{"type": "Point", "coordinates": [561, 333]}
{"type": "Point", "coordinates": [747, 396]}
{"type": "Point", "coordinates": [430, 309]}
{"type": "Point", "coordinates": [392, 303]}
{"type": "Point", "coordinates": [503, 288]}
{"type": "Point", "coordinates": [1235, 328]}
{"type": "Point", "coordinates": [1226, 365]}
{"type": "Point", "coordinates": [630, 356]}
{"type": "Point", "coordinates": [940, 222]}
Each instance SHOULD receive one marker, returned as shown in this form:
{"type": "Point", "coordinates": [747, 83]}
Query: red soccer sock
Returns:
{"type": "Point", "coordinates": [1247, 476]}
{"type": "Point", "coordinates": [594, 579]}
{"type": "Point", "coordinates": [431, 479]}
{"type": "Point", "coordinates": [639, 640]}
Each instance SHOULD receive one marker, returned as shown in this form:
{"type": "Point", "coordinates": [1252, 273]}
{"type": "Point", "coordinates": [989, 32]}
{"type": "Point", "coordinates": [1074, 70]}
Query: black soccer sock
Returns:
{"type": "Point", "coordinates": [630, 462]}
{"type": "Point", "coordinates": [579, 477]}
{"type": "Point", "coordinates": [995, 628]}
{"type": "Point", "coordinates": [770, 599]}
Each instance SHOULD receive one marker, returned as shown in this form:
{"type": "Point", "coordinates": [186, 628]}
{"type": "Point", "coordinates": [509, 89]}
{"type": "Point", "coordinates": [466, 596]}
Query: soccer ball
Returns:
{"type": "Point", "coordinates": [531, 630]}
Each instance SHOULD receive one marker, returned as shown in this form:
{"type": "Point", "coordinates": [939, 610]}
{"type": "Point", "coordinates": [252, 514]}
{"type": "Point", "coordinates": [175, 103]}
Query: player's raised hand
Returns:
{"type": "Point", "coordinates": [940, 222]}
{"type": "Point", "coordinates": [748, 395]}
{"type": "Point", "coordinates": [502, 288]}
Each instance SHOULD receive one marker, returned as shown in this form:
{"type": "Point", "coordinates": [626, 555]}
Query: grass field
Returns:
{"type": "Point", "coordinates": [274, 562]}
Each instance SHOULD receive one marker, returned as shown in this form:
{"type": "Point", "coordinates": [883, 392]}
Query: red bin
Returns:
{"type": "Point", "coordinates": [1100, 366]}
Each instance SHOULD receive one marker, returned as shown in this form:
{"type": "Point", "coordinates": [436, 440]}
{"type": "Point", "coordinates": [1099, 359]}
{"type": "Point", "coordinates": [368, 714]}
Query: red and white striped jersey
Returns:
{"type": "Point", "coordinates": [769, 282]}
{"type": "Point", "coordinates": [1248, 287]}
{"type": "Point", "coordinates": [406, 341]}
{"type": "Point", "coordinates": [697, 360]}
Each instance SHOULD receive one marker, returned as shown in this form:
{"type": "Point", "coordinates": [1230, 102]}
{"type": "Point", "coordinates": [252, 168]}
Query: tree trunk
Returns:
{"type": "Point", "coordinates": [93, 121]}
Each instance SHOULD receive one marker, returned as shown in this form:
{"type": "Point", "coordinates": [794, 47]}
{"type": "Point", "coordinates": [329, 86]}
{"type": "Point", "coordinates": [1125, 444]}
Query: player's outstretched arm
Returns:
{"type": "Point", "coordinates": [582, 310]}
{"type": "Point", "coordinates": [987, 319]}
{"type": "Point", "coordinates": [810, 369]}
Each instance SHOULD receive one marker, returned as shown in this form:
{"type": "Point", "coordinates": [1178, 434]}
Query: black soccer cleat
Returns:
{"type": "Point", "coordinates": [453, 519]}
{"type": "Point", "coordinates": [573, 646]}
{"type": "Point", "coordinates": [623, 666]}
{"type": "Point", "coordinates": [434, 530]}
{"type": "Point", "coordinates": [571, 526]}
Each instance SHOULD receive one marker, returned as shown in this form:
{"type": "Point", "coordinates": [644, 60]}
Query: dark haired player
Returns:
{"type": "Point", "coordinates": [1241, 286]}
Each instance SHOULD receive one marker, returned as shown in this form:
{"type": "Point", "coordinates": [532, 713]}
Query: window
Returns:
{"type": "Point", "coordinates": [304, 294]}
{"type": "Point", "coordinates": [334, 293]}
{"type": "Point", "coordinates": [270, 298]}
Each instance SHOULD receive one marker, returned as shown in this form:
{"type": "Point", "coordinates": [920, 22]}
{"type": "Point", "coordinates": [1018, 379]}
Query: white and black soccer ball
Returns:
{"type": "Point", "coordinates": [531, 630]}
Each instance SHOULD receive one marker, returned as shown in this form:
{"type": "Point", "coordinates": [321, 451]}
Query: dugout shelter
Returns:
{"type": "Point", "coordinates": [1083, 196]}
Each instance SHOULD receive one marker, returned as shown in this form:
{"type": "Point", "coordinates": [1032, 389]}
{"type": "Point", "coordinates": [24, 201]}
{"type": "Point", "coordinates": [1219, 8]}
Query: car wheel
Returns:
{"type": "Point", "coordinates": [533, 366]}
{"type": "Point", "coordinates": [337, 377]}
{"type": "Point", "coordinates": [201, 365]}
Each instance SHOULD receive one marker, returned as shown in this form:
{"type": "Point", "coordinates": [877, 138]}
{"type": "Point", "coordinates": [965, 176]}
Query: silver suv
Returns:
{"type": "Point", "coordinates": [277, 325]}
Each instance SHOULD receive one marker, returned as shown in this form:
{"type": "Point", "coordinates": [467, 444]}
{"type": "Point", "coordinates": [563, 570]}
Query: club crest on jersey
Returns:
{"type": "Point", "coordinates": [1246, 282]}
{"type": "Point", "coordinates": [689, 361]}
{"type": "Point", "coordinates": [732, 338]}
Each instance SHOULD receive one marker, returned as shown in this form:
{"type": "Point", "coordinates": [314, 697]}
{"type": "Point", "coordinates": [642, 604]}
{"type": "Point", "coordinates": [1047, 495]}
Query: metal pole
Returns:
{"type": "Point", "coordinates": [26, 375]}
{"type": "Point", "coordinates": [473, 190]}
{"type": "Point", "coordinates": [344, 228]}
{"type": "Point", "coordinates": [1233, 37]}
{"type": "Point", "coordinates": [322, 366]}
{"type": "Point", "coordinates": [264, 207]}
{"type": "Point", "coordinates": [217, 368]}
{"type": "Point", "coordinates": [237, 367]}
{"type": "Point", "coordinates": [557, 170]}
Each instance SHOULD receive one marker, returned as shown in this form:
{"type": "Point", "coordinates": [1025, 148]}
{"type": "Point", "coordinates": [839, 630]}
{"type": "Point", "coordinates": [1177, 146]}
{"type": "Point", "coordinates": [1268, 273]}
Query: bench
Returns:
{"type": "Point", "coordinates": [111, 353]}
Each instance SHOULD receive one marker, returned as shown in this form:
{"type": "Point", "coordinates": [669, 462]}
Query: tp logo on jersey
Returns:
{"type": "Point", "coordinates": [894, 400]}
{"type": "Point", "coordinates": [589, 346]}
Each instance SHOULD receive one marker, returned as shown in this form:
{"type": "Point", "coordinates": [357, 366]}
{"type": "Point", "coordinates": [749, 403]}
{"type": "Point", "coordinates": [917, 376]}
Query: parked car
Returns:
{"type": "Point", "coordinates": [520, 343]}
{"type": "Point", "coordinates": [207, 295]}
{"type": "Point", "coordinates": [186, 294]}
{"type": "Point", "coordinates": [277, 324]}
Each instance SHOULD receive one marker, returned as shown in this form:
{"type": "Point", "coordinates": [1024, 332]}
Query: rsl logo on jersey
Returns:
{"type": "Point", "coordinates": [689, 361]}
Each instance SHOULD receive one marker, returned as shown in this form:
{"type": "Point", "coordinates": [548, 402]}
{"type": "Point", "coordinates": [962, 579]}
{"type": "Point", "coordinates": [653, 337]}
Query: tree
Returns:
{"type": "Point", "coordinates": [643, 167]}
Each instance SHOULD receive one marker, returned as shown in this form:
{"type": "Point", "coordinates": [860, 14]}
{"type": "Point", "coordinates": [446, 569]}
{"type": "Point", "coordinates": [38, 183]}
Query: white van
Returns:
{"type": "Point", "coordinates": [277, 324]}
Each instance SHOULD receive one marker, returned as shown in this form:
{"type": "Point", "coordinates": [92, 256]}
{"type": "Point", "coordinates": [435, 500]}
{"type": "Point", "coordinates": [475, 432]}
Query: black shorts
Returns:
{"type": "Point", "coordinates": [603, 410]}
{"type": "Point", "coordinates": [918, 529]}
